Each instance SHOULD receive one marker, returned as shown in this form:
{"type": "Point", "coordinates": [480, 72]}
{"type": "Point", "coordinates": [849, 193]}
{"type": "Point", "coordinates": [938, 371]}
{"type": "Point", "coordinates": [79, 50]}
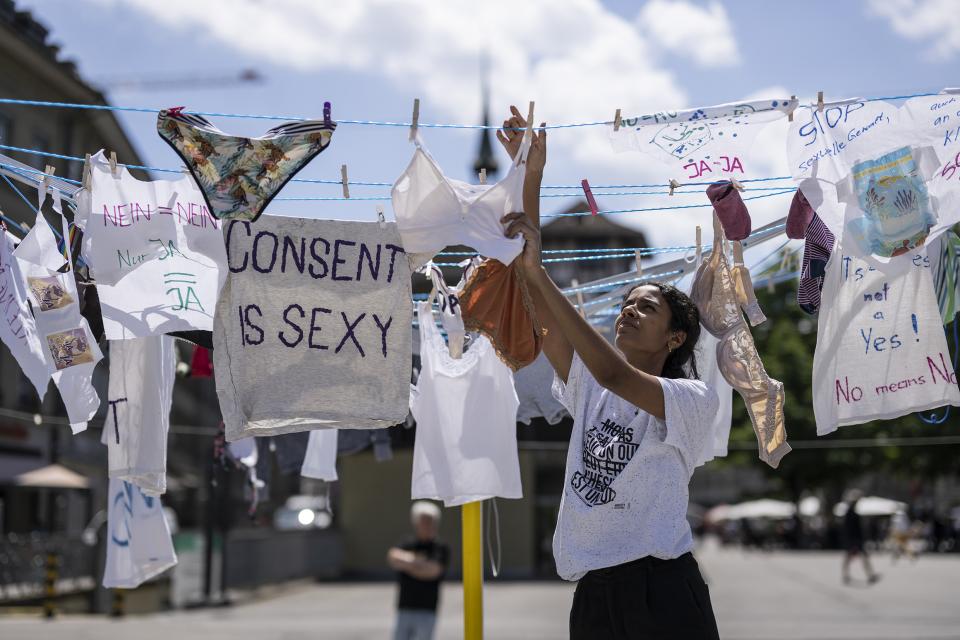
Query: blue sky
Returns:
{"type": "Point", "coordinates": [580, 59]}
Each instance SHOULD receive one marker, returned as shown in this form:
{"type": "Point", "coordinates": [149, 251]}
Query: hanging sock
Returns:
{"type": "Point", "coordinates": [816, 252]}
{"type": "Point", "coordinates": [729, 207]}
{"type": "Point", "coordinates": [799, 216]}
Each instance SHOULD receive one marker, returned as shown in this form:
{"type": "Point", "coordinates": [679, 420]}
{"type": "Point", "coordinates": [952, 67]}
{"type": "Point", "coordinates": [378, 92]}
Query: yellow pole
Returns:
{"type": "Point", "coordinates": [472, 517]}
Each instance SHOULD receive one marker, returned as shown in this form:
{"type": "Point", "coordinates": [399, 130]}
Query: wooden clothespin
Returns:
{"type": "Point", "coordinates": [85, 181]}
{"type": "Point", "coordinates": [343, 181]}
{"type": "Point", "coordinates": [327, 119]}
{"type": "Point", "coordinates": [637, 256]}
{"type": "Point", "coordinates": [579, 295]}
{"type": "Point", "coordinates": [736, 184]}
{"type": "Point", "coordinates": [699, 241]}
{"type": "Point", "coordinates": [48, 171]}
{"type": "Point", "coordinates": [792, 109]}
{"type": "Point", "coordinates": [483, 176]}
{"type": "Point", "coordinates": [380, 218]}
{"type": "Point", "coordinates": [528, 132]}
{"type": "Point", "coordinates": [674, 185]}
{"type": "Point", "coordinates": [113, 163]}
{"type": "Point", "coordinates": [819, 100]}
{"type": "Point", "coordinates": [770, 287]}
{"type": "Point", "coordinates": [415, 121]}
{"type": "Point", "coordinates": [617, 121]}
{"type": "Point", "coordinates": [588, 193]}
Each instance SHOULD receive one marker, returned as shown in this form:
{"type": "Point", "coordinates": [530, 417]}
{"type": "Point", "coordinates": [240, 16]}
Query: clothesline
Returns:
{"type": "Point", "coordinates": [216, 114]}
{"type": "Point", "coordinates": [604, 254]}
{"type": "Point", "coordinates": [362, 183]}
{"type": "Point", "coordinates": [781, 191]}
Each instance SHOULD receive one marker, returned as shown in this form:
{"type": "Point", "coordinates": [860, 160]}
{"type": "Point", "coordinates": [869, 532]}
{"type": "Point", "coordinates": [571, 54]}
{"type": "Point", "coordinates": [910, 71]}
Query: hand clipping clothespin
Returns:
{"type": "Point", "coordinates": [579, 294]}
{"type": "Point", "coordinates": [617, 121]}
{"type": "Point", "coordinates": [380, 218]}
{"type": "Point", "coordinates": [792, 109]}
{"type": "Point", "coordinates": [113, 163]}
{"type": "Point", "coordinates": [415, 121]}
{"type": "Point", "coordinates": [343, 181]}
{"type": "Point", "coordinates": [674, 185]}
{"type": "Point", "coordinates": [588, 194]}
{"type": "Point", "coordinates": [819, 100]}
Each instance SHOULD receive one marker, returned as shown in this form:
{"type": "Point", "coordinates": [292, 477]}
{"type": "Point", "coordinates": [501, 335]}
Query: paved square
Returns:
{"type": "Point", "coordinates": [757, 596]}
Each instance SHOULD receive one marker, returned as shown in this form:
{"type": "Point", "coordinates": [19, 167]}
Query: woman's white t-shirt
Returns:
{"type": "Point", "coordinates": [625, 489]}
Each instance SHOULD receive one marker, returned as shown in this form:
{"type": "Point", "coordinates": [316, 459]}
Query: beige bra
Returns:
{"type": "Point", "coordinates": [719, 293]}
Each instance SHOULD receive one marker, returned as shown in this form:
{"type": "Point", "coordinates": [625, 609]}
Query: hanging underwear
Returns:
{"type": "Point", "coordinates": [240, 176]}
{"type": "Point", "coordinates": [719, 294]}
{"type": "Point", "coordinates": [434, 211]}
{"type": "Point", "coordinates": [495, 301]}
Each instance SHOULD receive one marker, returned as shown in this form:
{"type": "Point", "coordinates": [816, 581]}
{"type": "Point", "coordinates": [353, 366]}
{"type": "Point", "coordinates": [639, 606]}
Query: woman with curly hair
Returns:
{"type": "Point", "coordinates": [641, 425]}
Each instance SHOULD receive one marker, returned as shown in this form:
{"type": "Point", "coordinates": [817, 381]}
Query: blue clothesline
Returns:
{"type": "Point", "coordinates": [781, 191]}
{"type": "Point", "coordinates": [60, 156]}
{"type": "Point", "coordinates": [216, 114]}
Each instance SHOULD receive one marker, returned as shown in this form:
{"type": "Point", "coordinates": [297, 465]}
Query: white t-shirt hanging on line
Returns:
{"type": "Point", "coordinates": [881, 350]}
{"type": "Point", "coordinates": [533, 390]}
{"type": "Point", "coordinates": [18, 330]}
{"type": "Point", "coordinates": [139, 397]}
{"type": "Point", "coordinates": [877, 173]}
{"type": "Point", "coordinates": [625, 493]}
{"type": "Point", "coordinates": [70, 350]}
{"type": "Point", "coordinates": [320, 460]}
{"type": "Point", "coordinates": [466, 409]}
{"type": "Point", "coordinates": [138, 538]}
{"type": "Point", "coordinates": [709, 143]}
{"type": "Point", "coordinates": [155, 251]}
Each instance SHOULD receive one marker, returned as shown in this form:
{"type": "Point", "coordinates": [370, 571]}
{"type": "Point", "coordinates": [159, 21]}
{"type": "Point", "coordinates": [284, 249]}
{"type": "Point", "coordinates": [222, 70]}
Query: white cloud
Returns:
{"type": "Point", "coordinates": [579, 64]}
{"type": "Point", "coordinates": [936, 22]}
{"type": "Point", "coordinates": [704, 34]}
{"type": "Point", "coordinates": [569, 61]}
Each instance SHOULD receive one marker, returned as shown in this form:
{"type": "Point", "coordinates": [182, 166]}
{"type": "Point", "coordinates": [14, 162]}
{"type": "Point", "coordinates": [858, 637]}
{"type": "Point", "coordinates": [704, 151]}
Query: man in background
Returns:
{"type": "Point", "coordinates": [854, 539]}
{"type": "Point", "coordinates": [420, 565]}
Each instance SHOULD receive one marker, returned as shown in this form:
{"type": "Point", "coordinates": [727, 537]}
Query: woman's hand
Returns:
{"type": "Point", "coordinates": [511, 135]}
{"type": "Point", "coordinates": [518, 223]}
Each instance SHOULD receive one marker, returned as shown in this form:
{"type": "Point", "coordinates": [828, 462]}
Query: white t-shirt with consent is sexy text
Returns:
{"type": "Point", "coordinates": [625, 491]}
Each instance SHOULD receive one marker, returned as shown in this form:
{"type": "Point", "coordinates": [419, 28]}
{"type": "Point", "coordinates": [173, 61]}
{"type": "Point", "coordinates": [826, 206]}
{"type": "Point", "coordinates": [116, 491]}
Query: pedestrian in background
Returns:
{"type": "Point", "coordinates": [420, 564]}
{"type": "Point", "coordinates": [853, 539]}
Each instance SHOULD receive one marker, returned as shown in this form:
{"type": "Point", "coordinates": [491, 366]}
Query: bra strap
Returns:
{"type": "Point", "coordinates": [718, 236]}
{"type": "Point", "coordinates": [746, 296]}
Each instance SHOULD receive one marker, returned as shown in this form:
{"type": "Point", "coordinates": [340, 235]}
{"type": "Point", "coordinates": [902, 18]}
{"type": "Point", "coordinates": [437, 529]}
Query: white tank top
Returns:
{"type": "Point", "coordinates": [466, 410]}
{"type": "Point", "coordinates": [434, 211]}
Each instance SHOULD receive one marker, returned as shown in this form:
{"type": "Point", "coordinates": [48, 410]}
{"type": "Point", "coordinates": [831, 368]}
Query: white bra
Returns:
{"type": "Point", "coordinates": [434, 211]}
